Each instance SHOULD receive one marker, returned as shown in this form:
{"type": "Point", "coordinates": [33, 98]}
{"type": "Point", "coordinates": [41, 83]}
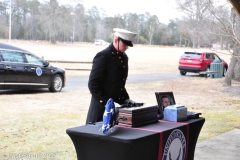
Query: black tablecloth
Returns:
{"type": "Point", "coordinates": [161, 140]}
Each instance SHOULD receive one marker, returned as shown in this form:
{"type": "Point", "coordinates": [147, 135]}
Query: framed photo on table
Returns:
{"type": "Point", "coordinates": [159, 97]}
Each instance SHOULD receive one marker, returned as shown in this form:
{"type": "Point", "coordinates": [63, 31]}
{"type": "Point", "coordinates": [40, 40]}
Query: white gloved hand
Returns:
{"type": "Point", "coordinates": [129, 101]}
{"type": "Point", "coordinates": [117, 105]}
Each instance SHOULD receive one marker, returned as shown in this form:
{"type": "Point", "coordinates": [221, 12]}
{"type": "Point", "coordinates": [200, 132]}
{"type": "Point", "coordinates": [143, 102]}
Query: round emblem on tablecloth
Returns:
{"type": "Point", "coordinates": [175, 147]}
{"type": "Point", "coordinates": [38, 71]}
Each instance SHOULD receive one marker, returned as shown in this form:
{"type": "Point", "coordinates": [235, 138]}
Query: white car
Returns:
{"type": "Point", "coordinates": [100, 42]}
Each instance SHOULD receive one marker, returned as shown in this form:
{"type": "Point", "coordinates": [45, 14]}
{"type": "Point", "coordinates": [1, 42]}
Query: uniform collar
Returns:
{"type": "Point", "coordinates": [114, 51]}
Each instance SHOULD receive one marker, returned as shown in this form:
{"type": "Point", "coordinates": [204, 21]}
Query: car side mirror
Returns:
{"type": "Point", "coordinates": [46, 63]}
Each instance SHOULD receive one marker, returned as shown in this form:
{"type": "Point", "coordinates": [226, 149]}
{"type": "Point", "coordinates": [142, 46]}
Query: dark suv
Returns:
{"type": "Point", "coordinates": [20, 69]}
{"type": "Point", "coordinates": [199, 61]}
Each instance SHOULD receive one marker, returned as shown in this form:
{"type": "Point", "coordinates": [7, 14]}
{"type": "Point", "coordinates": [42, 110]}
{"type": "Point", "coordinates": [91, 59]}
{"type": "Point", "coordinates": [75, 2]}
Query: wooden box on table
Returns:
{"type": "Point", "coordinates": [138, 116]}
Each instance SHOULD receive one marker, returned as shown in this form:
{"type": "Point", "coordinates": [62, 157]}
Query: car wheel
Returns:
{"type": "Point", "coordinates": [183, 73]}
{"type": "Point", "coordinates": [224, 71]}
{"type": "Point", "coordinates": [57, 83]}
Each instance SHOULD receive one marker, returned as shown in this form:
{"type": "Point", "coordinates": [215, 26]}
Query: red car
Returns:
{"type": "Point", "coordinates": [199, 61]}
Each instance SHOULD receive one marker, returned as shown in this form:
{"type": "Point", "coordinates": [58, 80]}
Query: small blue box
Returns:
{"type": "Point", "coordinates": [175, 113]}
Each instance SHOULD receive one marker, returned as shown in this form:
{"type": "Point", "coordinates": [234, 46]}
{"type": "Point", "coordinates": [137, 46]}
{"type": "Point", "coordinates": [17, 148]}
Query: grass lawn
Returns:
{"type": "Point", "coordinates": [33, 124]}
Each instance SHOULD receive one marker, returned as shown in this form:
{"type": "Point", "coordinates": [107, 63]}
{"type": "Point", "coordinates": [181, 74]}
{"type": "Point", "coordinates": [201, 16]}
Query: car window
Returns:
{"type": "Point", "coordinates": [216, 57]}
{"type": "Point", "coordinates": [12, 56]}
{"type": "Point", "coordinates": [191, 55]}
{"type": "Point", "coordinates": [33, 59]}
{"type": "Point", "coordinates": [208, 56]}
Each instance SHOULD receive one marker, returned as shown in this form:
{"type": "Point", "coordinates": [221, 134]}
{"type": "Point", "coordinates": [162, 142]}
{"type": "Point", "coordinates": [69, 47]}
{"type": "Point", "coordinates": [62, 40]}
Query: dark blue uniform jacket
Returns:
{"type": "Point", "coordinates": [107, 80]}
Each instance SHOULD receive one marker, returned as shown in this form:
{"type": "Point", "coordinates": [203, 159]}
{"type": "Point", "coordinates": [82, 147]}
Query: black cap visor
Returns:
{"type": "Point", "coordinates": [126, 42]}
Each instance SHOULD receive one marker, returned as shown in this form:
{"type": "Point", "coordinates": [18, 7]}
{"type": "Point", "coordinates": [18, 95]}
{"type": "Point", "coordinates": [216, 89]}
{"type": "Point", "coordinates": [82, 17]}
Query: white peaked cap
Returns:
{"type": "Point", "coordinates": [125, 35]}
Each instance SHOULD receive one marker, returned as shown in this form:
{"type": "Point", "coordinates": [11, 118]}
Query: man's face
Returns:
{"type": "Point", "coordinates": [122, 46]}
{"type": "Point", "coordinates": [165, 102]}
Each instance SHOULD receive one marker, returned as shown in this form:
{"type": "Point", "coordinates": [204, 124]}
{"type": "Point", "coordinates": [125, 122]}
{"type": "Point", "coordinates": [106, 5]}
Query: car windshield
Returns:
{"type": "Point", "coordinates": [33, 60]}
{"type": "Point", "coordinates": [191, 54]}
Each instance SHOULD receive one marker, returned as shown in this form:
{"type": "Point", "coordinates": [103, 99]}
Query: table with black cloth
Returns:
{"type": "Point", "coordinates": [160, 140]}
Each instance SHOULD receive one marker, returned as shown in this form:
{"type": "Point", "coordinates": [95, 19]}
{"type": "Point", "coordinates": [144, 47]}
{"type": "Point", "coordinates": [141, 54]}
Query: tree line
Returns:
{"type": "Point", "coordinates": [51, 21]}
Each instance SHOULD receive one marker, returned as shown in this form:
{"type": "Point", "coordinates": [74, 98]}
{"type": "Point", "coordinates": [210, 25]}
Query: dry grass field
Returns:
{"type": "Point", "coordinates": [33, 124]}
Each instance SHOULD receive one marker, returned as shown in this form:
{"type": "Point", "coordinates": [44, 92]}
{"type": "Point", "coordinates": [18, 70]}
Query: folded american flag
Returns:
{"type": "Point", "coordinates": [109, 116]}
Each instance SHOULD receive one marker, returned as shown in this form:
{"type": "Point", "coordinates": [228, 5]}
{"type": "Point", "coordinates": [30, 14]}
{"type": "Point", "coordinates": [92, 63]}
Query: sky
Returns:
{"type": "Point", "coordinates": [164, 9]}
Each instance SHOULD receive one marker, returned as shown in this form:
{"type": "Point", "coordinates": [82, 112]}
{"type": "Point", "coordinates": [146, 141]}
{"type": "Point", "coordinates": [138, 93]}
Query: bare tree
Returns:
{"type": "Point", "coordinates": [4, 19]}
{"type": "Point", "coordinates": [195, 12]}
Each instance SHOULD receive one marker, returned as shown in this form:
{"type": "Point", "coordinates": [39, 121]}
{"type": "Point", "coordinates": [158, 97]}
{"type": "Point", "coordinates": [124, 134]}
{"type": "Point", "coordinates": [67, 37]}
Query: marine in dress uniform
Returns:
{"type": "Point", "coordinates": [109, 74]}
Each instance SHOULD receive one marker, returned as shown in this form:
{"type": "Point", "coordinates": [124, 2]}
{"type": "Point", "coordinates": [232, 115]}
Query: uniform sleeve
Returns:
{"type": "Point", "coordinates": [126, 95]}
{"type": "Point", "coordinates": [96, 78]}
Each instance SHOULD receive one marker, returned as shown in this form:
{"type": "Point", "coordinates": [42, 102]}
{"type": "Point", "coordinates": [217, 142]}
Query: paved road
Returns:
{"type": "Point", "coordinates": [81, 82]}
